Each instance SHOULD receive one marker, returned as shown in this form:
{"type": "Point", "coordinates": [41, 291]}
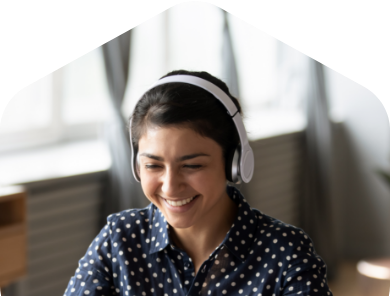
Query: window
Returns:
{"type": "Point", "coordinates": [189, 36]}
{"type": "Point", "coordinates": [70, 103]}
{"type": "Point", "coordinates": [65, 105]}
{"type": "Point", "coordinates": [30, 108]}
{"type": "Point", "coordinates": [84, 90]}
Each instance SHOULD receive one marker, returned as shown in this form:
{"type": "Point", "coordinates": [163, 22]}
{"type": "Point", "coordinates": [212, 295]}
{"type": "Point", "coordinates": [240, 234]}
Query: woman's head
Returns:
{"type": "Point", "coordinates": [183, 135]}
{"type": "Point", "coordinates": [186, 105]}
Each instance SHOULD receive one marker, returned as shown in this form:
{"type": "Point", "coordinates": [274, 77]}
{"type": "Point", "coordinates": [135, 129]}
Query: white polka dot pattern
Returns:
{"type": "Point", "coordinates": [261, 256]}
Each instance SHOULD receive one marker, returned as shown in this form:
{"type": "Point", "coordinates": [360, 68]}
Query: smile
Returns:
{"type": "Point", "coordinates": [180, 202]}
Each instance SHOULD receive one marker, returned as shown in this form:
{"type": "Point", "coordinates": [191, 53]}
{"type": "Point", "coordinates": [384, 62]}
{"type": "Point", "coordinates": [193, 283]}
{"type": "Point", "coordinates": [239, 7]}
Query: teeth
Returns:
{"type": "Point", "coordinates": [180, 202]}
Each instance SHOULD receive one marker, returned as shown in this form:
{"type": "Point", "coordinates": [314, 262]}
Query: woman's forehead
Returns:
{"type": "Point", "coordinates": [170, 134]}
{"type": "Point", "coordinates": [176, 141]}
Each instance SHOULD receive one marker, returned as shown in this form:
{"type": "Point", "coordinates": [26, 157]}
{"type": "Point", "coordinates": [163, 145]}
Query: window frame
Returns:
{"type": "Point", "coordinates": [56, 132]}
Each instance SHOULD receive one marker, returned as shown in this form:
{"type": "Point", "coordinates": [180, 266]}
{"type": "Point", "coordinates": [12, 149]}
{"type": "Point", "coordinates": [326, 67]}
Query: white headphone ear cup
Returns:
{"type": "Point", "coordinates": [236, 178]}
{"type": "Point", "coordinates": [229, 164]}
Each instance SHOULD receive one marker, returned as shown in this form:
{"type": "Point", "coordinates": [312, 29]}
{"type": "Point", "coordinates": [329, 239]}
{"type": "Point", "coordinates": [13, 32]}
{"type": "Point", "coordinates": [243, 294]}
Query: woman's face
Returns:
{"type": "Point", "coordinates": [183, 174]}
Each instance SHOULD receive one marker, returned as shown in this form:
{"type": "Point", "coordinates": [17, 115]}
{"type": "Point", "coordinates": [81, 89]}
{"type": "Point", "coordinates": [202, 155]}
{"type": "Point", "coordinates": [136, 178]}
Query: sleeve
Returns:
{"type": "Point", "coordinates": [306, 271]}
{"type": "Point", "coordinates": [94, 273]}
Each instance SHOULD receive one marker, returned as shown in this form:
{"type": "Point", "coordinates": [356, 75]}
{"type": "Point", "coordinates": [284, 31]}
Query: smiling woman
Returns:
{"type": "Point", "coordinates": [188, 184]}
{"type": "Point", "coordinates": [199, 236]}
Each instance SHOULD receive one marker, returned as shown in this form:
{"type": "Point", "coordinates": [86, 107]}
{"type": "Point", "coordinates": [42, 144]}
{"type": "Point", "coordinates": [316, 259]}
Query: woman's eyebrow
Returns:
{"type": "Point", "coordinates": [190, 156]}
{"type": "Point", "coordinates": [182, 158]}
{"type": "Point", "coordinates": [152, 156]}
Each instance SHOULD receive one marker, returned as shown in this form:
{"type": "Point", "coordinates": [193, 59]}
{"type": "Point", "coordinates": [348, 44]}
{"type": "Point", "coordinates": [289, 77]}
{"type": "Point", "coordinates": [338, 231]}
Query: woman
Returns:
{"type": "Point", "coordinates": [198, 236]}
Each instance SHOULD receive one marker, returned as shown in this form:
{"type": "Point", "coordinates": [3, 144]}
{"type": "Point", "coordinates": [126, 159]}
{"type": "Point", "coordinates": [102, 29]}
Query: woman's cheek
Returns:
{"type": "Point", "coordinates": [148, 185]}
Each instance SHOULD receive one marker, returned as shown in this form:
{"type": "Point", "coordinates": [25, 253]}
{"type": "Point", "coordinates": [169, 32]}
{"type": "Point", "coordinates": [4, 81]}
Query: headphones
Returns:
{"type": "Point", "coordinates": [240, 163]}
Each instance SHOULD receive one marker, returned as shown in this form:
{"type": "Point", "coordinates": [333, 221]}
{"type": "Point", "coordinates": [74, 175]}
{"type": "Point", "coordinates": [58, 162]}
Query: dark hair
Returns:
{"type": "Point", "coordinates": [186, 105]}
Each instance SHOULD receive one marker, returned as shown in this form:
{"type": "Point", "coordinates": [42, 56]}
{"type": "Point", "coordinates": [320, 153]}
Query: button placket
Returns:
{"type": "Point", "coordinates": [187, 265]}
{"type": "Point", "coordinates": [187, 271]}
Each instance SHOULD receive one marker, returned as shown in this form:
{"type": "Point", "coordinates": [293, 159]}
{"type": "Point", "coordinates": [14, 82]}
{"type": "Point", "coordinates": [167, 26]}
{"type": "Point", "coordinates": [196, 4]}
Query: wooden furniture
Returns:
{"type": "Point", "coordinates": [13, 249]}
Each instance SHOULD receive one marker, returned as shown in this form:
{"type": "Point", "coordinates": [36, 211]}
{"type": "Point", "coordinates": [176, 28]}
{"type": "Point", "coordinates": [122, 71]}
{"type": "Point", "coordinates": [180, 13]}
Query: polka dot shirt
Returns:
{"type": "Point", "coordinates": [262, 256]}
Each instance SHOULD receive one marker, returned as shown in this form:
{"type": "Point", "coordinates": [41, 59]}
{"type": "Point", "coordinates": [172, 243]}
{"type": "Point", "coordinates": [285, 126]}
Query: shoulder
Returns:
{"type": "Point", "coordinates": [131, 215]}
{"type": "Point", "coordinates": [292, 252]}
{"type": "Point", "coordinates": [282, 239]}
{"type": "Point", "coordinates": [269, 229]}
{"type": "Point", "coordinates": [130, 223]}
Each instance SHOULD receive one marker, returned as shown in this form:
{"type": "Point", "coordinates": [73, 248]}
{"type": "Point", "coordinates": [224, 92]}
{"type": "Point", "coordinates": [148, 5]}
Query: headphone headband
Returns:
{"type": "Point", "coordinates": [246, 159]}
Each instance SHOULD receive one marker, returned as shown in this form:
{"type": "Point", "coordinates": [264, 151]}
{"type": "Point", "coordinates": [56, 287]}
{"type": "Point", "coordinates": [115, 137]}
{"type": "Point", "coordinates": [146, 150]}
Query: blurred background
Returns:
{"type": "Point", "coordinates": [319, 141]}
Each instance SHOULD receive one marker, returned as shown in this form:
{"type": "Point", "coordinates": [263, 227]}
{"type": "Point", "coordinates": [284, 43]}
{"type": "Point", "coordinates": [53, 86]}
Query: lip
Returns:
{"type": "Point", "coordinates": [180, 209]}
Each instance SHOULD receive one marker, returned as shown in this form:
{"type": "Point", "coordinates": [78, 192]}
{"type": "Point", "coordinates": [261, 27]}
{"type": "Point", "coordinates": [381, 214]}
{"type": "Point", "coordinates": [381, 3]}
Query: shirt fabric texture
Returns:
{"type": "Point", "coordinates": [260, 255]}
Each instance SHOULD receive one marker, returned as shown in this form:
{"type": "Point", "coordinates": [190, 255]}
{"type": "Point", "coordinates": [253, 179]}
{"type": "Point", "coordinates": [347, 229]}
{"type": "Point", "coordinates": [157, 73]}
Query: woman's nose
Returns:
{"type": "Point", "coordinates": [171, 183]}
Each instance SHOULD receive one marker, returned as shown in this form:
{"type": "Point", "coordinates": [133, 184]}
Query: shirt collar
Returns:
{"type": "Point", "coordinates": [241, 236]}
{"type": "Point", "coordinates": [238, 240]}
{"type": "Point", "coordinates": [159, 238]}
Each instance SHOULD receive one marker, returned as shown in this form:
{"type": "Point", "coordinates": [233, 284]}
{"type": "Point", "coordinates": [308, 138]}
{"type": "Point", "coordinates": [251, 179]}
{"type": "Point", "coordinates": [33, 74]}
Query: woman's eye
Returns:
{"type": "Point", "coordinates": [192, 166]}
{"type": "Point", "coordinates": [151, 166]}
{"type": "Point", "coordinates": [187, 166]}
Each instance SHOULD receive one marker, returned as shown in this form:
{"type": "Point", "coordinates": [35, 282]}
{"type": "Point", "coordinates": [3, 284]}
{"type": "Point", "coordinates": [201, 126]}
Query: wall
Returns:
{"type": "Point", "coordinates": [361, 146]}
{"type": "Point", "coordinates": [276, 186]}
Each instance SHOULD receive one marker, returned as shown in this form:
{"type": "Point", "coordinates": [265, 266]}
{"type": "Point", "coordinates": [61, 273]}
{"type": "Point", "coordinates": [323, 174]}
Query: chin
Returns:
{"type": "Point", "coordinates": [179, 223]}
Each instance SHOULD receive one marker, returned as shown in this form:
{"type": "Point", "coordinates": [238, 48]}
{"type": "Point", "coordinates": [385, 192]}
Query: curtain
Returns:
{"type": "Point", "coordinates": [318, 215]}
{"type": "Point", "coordinates": [123, 190]}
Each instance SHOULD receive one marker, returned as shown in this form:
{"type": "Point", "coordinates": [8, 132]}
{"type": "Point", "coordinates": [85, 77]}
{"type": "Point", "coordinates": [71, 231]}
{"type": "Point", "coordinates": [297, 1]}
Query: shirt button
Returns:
{"type": "Point", "coordinates": [188, 265]}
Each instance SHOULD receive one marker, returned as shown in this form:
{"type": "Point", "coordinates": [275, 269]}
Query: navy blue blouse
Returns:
{"type": "Point", "coordinates": [262, 256]}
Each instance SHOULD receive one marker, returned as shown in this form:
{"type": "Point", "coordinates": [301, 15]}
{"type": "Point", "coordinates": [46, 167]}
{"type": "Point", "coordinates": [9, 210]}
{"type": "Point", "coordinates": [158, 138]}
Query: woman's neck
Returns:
{"type": "Point", "coordinates": [200, 240]}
